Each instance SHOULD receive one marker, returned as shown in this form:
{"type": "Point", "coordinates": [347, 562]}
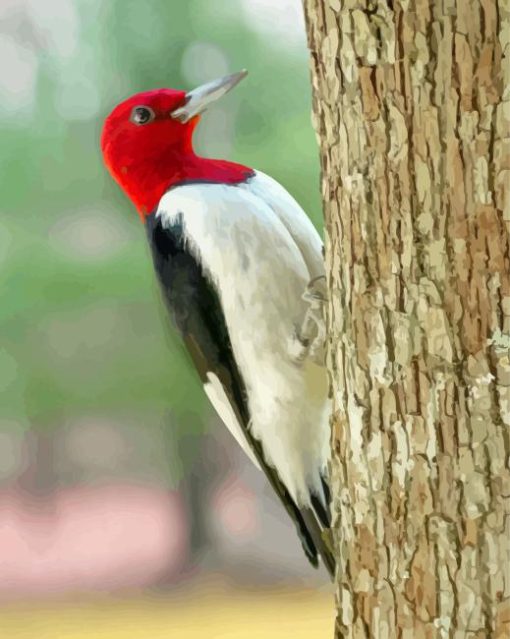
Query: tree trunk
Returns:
{"type": "Point", "coordinates": [412, 113]}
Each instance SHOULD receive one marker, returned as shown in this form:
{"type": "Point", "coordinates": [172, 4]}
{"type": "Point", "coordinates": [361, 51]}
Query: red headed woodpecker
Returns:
{"type": "Point", "coordinates": [235, 254]}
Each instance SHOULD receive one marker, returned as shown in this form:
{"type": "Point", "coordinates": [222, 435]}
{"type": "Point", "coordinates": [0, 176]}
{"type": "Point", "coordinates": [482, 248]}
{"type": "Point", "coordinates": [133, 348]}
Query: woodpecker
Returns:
{"type": "Point", "coordinates": [241, 269]}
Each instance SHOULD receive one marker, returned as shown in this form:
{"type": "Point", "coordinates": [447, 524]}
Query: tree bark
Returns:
{"type": "Point", "coordinates": [412, 111]}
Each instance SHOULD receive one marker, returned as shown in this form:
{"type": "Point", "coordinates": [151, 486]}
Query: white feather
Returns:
{"type": "Point", "coordinates": [293, 217]}
{"type": "Point", "coordinates": [218, 398]}
{"type": "Point", "coordinates": [261, 250]}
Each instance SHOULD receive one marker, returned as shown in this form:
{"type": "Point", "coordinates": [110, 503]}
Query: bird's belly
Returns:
{"type": "Point", "coordinates": [288, 402]}
{"type": "Point", "coordinates": [260, 275]}
{"type": "Point", "coordinates": [290, 416]}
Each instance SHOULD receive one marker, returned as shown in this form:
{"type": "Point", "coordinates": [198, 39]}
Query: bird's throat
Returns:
{"type": "Point", "coordinates": [145, 183]}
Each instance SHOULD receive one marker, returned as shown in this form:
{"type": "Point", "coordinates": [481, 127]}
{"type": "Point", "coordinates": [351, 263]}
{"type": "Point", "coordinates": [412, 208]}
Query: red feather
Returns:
{"type": "Point", "coordinates": [147, 160]}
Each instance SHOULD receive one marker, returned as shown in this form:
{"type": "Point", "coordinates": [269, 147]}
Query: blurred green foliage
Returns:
{"type": "Point", "coordinates": [81, 327]}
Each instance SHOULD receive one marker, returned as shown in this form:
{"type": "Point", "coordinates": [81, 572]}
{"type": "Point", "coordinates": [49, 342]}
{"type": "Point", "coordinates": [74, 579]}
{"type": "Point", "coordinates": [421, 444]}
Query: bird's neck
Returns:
{"type": "Point", "coordinates": [146, 183]}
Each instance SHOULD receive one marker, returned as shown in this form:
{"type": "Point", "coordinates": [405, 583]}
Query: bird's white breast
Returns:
{"type": "Point", "coordinates": [259, 248]}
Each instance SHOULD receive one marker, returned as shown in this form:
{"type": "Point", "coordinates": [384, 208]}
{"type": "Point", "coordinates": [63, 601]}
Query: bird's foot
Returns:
{"type": "Point", "coordinates": [308, 342]}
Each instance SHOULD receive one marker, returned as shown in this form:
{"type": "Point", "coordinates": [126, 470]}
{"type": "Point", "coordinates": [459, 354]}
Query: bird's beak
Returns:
{"type": "Point", "coordinates": [200, 98]}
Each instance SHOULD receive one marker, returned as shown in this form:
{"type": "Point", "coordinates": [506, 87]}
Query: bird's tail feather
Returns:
{"type": "Point", "coordinates": [319, 537]}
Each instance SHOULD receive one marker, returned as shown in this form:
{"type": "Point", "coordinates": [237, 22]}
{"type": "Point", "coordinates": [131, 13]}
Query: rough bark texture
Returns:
{"type": "Point", "coordinates": [412, 111]}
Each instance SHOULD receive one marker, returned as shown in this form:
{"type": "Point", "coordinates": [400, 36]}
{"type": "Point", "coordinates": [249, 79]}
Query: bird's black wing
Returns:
{"type": "Point", "coordinates": [196, 309]}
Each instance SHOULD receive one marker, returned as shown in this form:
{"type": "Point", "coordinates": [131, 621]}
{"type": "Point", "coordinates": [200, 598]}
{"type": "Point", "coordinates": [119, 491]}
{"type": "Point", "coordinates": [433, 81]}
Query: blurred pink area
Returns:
{"type": "Point", "coordinates": [90, 538]}
{"type": "Point", "coordinates": [237, 509]}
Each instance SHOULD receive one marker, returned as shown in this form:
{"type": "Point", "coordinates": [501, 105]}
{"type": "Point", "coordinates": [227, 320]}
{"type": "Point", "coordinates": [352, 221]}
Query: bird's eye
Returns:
{"type": "Point", "coordinates": [142, 115]}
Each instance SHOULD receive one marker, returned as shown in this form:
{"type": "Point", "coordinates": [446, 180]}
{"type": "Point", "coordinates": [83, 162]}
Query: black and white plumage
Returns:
{"type": "Point", "coordinates": [233, 262]}
{"type": "Point", "coordinates": [235, 256]}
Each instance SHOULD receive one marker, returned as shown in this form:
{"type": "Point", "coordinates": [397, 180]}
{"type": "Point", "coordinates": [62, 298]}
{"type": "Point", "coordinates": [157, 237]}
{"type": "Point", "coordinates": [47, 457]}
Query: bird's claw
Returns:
{"type": "Point", "coordinates": [308, 342]}
{"type": "Point", "coordinates": [316, 292]}
{"type": "Point", "coordinates": [298, 348]}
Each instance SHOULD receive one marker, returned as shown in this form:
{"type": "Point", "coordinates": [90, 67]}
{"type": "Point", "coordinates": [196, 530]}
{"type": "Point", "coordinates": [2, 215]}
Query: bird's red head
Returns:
{"type": "Point", "coordinates": [147, 142]}
{"type": "Point", "coordinates": [138, 141]}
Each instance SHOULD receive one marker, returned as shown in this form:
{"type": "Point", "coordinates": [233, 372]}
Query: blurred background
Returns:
{"type": "Point", "coordinates": [126, 509]}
